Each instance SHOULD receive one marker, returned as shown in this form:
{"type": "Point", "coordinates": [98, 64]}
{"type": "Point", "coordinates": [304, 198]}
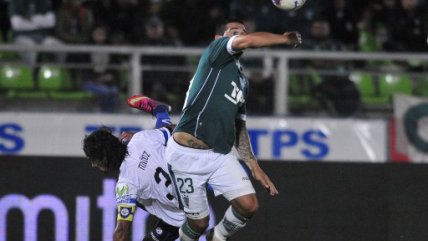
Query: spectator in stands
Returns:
{"type": "Point", "coordinates": [332, 87]}
{"type": "Point", "coordinates": [321, 37]}
{"type": "Point", "coordinates": [376, 19]}
{"type": "Point", "coordinates": [100, 80]}
{"type": "Point", "coordinates": [125, 19]}
{"type": "Point", "coordinates": [4, 21]}
{"type": "Point", "coordinates": [33, 22]}
{"type": "Point", "coordinates": [343, 22]}
{"type": "Point", "coordinates": [203, 16]}
{"type": "Point", "coordinates": [164, 85]}
{"type": "Point", "coordinates": [409, 30]}
{"type": "Point", "coordinates": [75, 22]}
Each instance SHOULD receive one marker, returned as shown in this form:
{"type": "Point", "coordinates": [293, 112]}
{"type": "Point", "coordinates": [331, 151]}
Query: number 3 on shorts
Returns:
{"type": "Point", "coordinates": [185, 185]}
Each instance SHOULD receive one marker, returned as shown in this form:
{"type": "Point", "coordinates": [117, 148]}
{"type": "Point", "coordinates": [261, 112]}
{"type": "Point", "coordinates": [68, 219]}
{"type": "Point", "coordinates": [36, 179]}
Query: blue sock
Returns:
{"type": "Point", "coordinates": [162, 116]}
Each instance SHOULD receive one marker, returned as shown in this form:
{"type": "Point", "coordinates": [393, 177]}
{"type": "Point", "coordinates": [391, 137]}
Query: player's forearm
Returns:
{"type": "Point", "coordinates": [122, 231]}
{"type": "Point", "coordinates": [242, 144]}
{"type": "Point", "coordinates": [260, 39]}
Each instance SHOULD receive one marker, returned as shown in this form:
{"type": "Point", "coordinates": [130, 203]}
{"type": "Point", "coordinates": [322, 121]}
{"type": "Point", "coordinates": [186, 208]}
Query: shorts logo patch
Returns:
{"type": "Point", "coordinates": [159, 231]}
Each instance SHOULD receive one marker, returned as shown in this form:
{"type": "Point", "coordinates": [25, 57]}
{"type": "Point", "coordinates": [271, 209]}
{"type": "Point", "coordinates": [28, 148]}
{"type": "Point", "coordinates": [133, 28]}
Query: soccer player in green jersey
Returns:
{"type": "Point", "coordinates": [211, 123]}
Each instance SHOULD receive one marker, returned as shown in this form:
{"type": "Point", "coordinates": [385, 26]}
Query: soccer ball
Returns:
{"type": "Point", "coordinates": [288, 4]}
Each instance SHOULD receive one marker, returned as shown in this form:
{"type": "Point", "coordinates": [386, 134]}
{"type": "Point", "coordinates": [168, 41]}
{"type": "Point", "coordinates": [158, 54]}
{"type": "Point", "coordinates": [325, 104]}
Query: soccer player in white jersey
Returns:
{"type": "Point", "coordinates": [211, 123]}
{"type": "Point", "coordinates": [143, 173]}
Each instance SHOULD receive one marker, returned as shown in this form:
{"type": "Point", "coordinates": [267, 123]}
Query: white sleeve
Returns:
{"type": "Point", "coordinates": [229, 46]}
{"type": "Point", "coordinates": [160, 135]}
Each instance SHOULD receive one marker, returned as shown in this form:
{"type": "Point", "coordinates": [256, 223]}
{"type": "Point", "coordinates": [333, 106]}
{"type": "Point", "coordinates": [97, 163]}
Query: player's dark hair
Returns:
{"type": "Point", "coordinates": [103, 147]}
{"type": "Point", "coordinates": [233, 20]}
{"type": "Point", "coordinates": [221, 28]}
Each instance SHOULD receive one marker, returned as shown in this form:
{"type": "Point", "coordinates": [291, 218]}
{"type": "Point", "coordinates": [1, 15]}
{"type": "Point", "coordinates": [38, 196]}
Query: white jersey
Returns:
{"type": "Point", "coordinates": [144, 179]}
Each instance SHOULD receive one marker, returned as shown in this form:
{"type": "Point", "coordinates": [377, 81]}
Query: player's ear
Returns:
{"type": "Point", "coordinates": [217, 36]}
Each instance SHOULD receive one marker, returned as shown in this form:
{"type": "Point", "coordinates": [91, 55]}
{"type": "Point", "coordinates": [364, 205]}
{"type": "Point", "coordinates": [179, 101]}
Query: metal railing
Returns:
{"type": "Point", "coordinates": [281, 57]}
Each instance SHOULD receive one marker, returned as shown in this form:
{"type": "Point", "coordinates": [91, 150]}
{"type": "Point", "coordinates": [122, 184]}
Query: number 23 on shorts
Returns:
{"type": "Point", "coordinates": [185, 185]}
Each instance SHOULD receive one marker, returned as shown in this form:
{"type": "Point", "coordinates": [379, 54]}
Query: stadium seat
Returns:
{"type": "Point", "coordinates": [16, 77]}
{"type": "Point", "coordinates": [53, 78]}
{"type": "Point", "coordinates": [367, 42]}
{"type": "Point", "coordinates": [298, 89]}
{"type": "Point", "coordinates": [17, 82]}
{"type": "Point", "coordinates": [56, 81]}
{"type": "Point", "coordinates": [389, 84]}
{"type": "Point", "coordinates": [421, 86]}
{"type": "Point", "coordinates": [301, 87]}
{"type": "Point", "coordinates": [367, 87]}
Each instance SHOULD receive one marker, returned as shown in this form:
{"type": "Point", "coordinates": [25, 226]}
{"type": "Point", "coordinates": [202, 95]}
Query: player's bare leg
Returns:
{"type": "Point", "coordinates": [235, 218]}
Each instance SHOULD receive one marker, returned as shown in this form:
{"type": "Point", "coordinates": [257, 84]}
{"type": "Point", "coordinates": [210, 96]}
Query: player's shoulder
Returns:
{"type": "Point", "coordinates": [222, 41]}
{"type": "Point", "coordinates": [144, 136]}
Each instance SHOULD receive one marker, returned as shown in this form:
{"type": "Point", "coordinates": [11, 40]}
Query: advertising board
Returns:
{"type": "Point", "coordinates": [271, 138]}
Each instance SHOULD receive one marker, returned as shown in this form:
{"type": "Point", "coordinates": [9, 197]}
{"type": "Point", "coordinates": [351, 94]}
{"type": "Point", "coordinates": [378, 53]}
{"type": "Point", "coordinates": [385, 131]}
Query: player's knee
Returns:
{"type": "Point", "coordinates": [247, 205]}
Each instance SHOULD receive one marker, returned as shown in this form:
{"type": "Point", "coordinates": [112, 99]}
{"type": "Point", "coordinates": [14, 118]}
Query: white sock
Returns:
{"type": "Point", "coordinates": [230, 224]}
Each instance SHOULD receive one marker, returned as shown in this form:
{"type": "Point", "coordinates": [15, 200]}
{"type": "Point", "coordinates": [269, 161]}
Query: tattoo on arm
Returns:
{"type": "Point", "coordinates": [243, 145]}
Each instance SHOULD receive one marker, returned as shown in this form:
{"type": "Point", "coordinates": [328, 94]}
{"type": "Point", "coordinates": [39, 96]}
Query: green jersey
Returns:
{"type": "Point", "coordinates": [216, 97]}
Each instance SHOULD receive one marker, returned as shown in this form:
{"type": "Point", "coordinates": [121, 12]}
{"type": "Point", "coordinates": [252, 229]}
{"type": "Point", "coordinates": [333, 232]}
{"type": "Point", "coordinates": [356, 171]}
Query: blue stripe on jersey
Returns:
{"type": "Point", "coordinates": [206, 102]}
{"type": "Point", "coordinates": [126, 200]}
{"type": "Point", "coordinates": [165, 135]}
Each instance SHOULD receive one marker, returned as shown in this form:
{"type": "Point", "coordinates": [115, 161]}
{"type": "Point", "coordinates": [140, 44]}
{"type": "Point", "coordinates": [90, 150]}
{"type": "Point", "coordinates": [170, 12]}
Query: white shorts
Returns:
{"type": "Point", "coordinates": [191, 169]}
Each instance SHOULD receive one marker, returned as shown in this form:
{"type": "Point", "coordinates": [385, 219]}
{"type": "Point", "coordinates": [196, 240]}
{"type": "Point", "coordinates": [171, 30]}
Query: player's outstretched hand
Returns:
{"type": "Point", "coordinates": [264, 180]}
{"type": "Point", "coordinates": [294, 38]}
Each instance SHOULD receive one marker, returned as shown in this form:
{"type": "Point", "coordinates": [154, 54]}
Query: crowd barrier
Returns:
{"type": "Point", "coordinates": [277, 63]}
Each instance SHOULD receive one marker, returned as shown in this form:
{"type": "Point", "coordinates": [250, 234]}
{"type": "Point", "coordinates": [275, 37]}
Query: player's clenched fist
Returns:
{"type": "Point", "coordinates": [294, 38]}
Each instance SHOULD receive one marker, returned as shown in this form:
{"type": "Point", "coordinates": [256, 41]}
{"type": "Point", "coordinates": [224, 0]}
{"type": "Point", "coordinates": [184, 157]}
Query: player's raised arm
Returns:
{"type": "Point", "coordinates": [265, 39]}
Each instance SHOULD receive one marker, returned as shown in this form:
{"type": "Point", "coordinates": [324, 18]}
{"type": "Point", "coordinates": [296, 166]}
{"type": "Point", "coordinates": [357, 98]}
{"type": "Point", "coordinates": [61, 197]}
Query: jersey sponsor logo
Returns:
{"type": "Point", "coordinates": [123, 196]}
{"type": "Point", "coordinates": [237, 96]}
{"type": "Point", "coordinates": [122, 191]}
